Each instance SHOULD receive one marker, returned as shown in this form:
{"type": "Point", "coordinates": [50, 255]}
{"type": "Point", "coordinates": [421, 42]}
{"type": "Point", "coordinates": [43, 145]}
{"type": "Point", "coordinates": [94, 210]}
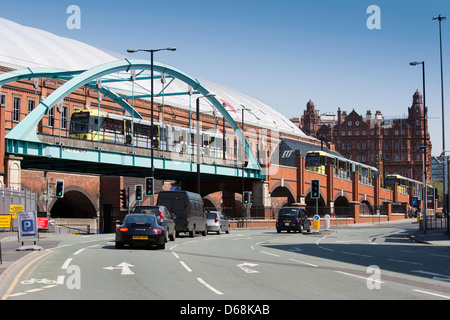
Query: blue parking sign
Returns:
{"type": "Point", "coordinates": [27, 223]}
{"type": "Point", "coordinates": [27, 226]}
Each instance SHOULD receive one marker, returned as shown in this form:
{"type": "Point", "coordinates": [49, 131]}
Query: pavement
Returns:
{"type": "Point", "coordinates": [435, 237]}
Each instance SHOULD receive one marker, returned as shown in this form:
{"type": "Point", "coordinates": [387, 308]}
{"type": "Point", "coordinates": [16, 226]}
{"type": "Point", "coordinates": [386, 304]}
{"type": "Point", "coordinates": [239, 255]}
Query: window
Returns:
{"type": "Point", "coordinates": [16, 109]}
{"type": "Point", "coordinates": [64, 118]}
{"type": "Point", "coordinates": [51, 117]}
{"type": "Point", "coordinates": [31, 105]}
{"type": "Point", "coordinates": [3, 100]}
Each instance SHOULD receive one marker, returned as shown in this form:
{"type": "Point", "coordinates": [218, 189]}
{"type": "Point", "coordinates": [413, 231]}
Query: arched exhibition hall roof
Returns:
{"type": "Point", "coordinates": [25, 47]}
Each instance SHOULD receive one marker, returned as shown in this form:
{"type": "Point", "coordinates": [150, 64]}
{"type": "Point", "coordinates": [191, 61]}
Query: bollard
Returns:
{"type": "Point", "coordinates": [316, 223]}
{"type": "Point", "coordinates": [327, 222]}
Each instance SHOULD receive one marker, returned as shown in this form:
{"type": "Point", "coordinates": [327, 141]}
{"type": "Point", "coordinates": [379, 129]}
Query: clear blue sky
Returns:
{"type": "Point", "coordinates": [282, 52]}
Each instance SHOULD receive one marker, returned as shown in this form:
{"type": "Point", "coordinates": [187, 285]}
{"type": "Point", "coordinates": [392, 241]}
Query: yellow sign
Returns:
{"type": "Point", "coordinates": [14, 208]}
{"type": "Point", "coordinates": [5, 221]}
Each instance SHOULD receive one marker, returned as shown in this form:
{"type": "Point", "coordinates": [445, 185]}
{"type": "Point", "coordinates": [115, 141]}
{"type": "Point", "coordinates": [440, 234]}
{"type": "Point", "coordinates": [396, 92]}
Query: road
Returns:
{"type": "Point", "coordinates": [354, 262]}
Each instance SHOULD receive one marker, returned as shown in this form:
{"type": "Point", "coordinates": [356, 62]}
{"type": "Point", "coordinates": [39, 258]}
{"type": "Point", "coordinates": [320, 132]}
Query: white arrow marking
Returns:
{"type": "Point", "coordinates": [125, 267]}
{"type": "Point", "coordinates": [244, 266]}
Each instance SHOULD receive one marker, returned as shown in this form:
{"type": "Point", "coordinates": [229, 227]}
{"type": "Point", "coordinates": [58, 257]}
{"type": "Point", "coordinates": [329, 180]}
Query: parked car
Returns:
{"type": "Point", "coordinates": [188, 209]}
{"type": "Point", "coordinates": [293, 219]}
{"type": "Point", "coordinates": [163, 218]}
{"type": "Point", "coordinates": [217, 222]}
{"type": "Point", "coordinates": [140, 229]}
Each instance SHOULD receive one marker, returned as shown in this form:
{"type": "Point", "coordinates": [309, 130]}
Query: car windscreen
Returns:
{"type": "Point", "coordinates": [147, 210]}
{"type": "Point", "coordinates": [140, 219]}
{"type": "Point", "coordinates": [211, 215]}
{"type": "Point", "coordinates": [288, 213]}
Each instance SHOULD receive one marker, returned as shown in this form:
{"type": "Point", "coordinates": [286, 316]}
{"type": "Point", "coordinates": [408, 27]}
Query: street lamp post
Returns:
{"type": "Point", "coordinates": [444, 176]}
{"type": "Point", "coordinates": [151, 99]}
{"type": "Point", "coordinates": [243, 163]}
{"type": "Point", "coordinates": [424, 147]}
{"type": "Point", "coordinates": [198, 136]}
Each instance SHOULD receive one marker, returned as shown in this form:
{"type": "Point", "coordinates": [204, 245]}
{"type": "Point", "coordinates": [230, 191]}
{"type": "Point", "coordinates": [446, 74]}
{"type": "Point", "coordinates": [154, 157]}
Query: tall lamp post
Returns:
{"type": "Point", "coordinates": [151, 92]}
{"type": "Point", "coordinates": [424, 147]}
{"type": "Point", "coordinates": [444, 176]}
{"type": "Point", "coordinates": [198, 136]}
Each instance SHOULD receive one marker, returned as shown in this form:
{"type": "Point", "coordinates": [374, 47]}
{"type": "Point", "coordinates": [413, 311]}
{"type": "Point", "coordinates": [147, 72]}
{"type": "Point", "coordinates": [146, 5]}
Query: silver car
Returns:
{"type": "Point", "coordinates": [217, 222]}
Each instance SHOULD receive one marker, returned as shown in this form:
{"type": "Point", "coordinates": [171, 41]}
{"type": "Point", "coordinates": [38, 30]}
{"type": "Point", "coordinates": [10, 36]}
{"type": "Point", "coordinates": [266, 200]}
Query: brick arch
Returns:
{"type": "Point", "coordinates": [80, 201]}
{"type": "Point", "coordinates": [291, 194]}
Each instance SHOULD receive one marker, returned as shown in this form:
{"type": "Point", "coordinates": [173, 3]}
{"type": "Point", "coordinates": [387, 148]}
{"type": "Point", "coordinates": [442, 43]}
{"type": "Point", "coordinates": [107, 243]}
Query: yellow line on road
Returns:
{"type": "Point", "coordinates": [16, 279]}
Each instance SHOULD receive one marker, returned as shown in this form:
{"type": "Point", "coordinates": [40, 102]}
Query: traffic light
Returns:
{"type": "Point", "coordinates": [138, 192]}
{"type": "Point", "coordinates": [149, 186]}
{"type": "Point", "coordinates": [315, 189]}
{"type": "Point", "coordinates": [123, 198]}
{"type": "Point", "coordinates": [247, 197]}
{"type": "Point", "coordinates": [59, 189]}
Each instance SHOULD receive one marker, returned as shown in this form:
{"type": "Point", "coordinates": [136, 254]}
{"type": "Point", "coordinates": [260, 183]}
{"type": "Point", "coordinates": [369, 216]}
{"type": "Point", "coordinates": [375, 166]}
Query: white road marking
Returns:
{"type": "Point", "coordinates": [203, 282]}
{"type": "Point", "coordinates": [185, 266]}
{"type": "Point", "coordinates": [431, 293]}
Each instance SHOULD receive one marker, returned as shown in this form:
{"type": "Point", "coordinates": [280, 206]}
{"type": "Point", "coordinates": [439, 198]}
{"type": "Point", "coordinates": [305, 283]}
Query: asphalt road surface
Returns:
{"type": "Point", "coordinates": [354, 262]}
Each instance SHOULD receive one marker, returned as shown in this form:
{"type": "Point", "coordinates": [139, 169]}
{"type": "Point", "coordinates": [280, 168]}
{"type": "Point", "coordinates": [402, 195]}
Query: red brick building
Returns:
{"type": "Point", "coordinates": [391, 145]}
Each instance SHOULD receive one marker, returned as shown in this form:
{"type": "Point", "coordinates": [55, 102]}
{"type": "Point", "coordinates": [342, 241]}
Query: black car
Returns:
{"type": "Point", "coordinates": [140, 229]}
{"type": "Point", "coordinates": [293, 218]}
{"type": "Point", "coordinates": [163, 217]}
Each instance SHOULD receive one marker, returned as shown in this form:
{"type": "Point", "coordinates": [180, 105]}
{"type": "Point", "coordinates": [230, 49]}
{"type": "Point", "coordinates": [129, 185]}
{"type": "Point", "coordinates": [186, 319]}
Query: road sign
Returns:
{"type": "Point", "coordinates": [14, 208]}
{"type": "Point", "coordinates": [316, 222]}
{"type": "Point", "coordinates": [5, 221]}
{"type": "Point", "coordinates": [28, 227]}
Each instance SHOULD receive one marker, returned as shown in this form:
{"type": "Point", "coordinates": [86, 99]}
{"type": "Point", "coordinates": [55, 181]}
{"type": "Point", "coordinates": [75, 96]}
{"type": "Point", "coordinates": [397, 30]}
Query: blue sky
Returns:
{"type": "Point", "coordinates": [282, 52]}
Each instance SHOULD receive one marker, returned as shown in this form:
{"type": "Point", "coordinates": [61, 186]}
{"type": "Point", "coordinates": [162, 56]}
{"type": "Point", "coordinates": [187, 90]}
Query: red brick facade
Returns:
{"type": "Point", "coordinates": [390, 145]}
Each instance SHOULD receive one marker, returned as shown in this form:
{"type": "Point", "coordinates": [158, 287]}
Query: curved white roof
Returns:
{"type": "Point", "coordinates": [26, 47]}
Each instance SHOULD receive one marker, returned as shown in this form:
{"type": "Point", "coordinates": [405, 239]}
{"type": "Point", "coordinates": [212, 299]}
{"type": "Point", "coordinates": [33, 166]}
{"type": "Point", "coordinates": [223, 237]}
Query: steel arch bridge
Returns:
{"type": "Point", "coordinates": [22, 140]}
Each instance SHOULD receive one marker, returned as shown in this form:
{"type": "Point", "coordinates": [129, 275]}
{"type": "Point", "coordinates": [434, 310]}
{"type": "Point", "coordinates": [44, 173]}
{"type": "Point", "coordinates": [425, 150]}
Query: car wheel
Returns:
{"type": "Point", "coordinates": [220, 230]}
{"type": "Point", "coordinates": [173, 235]}
{"type": "Point", "coordinates": [119, 245]}
{"type": "Point", "coordinates": [205, 232]}
{"type": "Point", "coordinates": [161, 246]}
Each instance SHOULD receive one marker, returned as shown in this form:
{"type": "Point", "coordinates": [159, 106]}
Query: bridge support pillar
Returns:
{"type": "Point", "coordinates": [261, 199]}
{"type": "Point", "coordinates": [13, 172]}
{"type": "Point", "coordinates": [354, 210]}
